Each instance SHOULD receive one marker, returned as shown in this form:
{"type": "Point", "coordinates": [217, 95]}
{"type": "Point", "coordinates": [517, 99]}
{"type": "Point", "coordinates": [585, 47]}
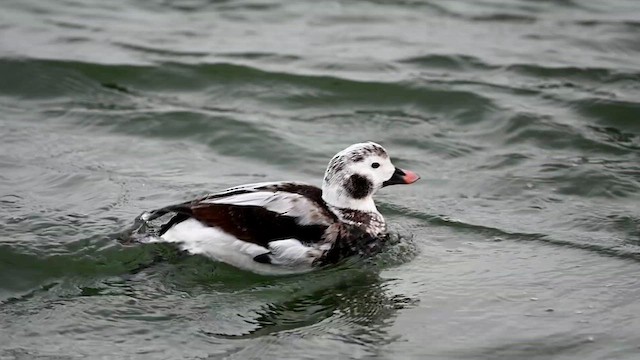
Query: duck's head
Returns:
{"type": "Point", "coordinates": [357, 172]}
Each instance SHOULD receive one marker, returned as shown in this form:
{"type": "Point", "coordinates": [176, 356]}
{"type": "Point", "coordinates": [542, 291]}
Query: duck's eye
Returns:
{"type": "Point", "coordinates": [375, 165]}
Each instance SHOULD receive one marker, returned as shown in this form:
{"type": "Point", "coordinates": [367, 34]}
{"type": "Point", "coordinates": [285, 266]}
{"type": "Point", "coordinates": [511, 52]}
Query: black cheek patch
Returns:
{"type": "Point", "coordinates": [358, 186]}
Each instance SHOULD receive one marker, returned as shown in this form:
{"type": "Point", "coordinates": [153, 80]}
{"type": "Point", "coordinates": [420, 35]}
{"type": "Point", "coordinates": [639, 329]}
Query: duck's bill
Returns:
{"type": "Point", "coordinates": [401, 176]}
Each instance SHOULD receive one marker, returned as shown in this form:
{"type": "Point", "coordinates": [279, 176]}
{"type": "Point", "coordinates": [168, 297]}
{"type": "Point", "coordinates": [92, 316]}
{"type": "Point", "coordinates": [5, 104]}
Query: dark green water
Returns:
{"type": "Point", "coordinates": [522, 240]}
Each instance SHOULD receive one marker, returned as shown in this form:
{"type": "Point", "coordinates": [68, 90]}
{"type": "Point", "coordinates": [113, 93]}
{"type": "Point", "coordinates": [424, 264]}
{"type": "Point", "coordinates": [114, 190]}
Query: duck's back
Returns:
{"type": "Point", "coordinates": [268, 228]}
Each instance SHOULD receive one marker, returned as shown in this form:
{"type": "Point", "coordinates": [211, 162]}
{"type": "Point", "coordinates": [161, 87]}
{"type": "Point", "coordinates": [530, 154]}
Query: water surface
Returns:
{"type": "Point", "coordinates": [522, 240]}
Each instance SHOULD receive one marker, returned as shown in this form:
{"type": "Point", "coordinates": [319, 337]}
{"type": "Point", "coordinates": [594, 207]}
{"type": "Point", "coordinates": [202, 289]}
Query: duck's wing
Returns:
{"type": "Point", "coordinates": [294, 202]}
{"type": "Point", "coordinates": [300, 201]}
{"type": "Point", "coordinates": [273, 223]}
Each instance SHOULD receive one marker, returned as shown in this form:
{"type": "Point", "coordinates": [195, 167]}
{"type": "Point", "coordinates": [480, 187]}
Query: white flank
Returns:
{"type": "Point", "coordinates": [291, 252]}
{"type": "Point", "coordinates": [289, 256]}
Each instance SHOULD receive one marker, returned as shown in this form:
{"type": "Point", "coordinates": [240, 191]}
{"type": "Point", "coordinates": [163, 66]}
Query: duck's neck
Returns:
{"type": "Point", "coordinates": [370, 221]}
{"type": "Point", "coordinates": [337, 197]}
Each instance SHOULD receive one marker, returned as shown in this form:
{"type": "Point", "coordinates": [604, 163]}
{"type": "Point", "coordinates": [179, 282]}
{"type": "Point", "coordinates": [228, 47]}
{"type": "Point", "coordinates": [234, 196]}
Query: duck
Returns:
{"type": "Point", "coordinates": [288, 227]}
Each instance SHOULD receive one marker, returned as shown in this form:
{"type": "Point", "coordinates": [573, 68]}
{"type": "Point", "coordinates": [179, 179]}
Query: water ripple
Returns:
{"type": "Point", "coordinates": [521, 118]}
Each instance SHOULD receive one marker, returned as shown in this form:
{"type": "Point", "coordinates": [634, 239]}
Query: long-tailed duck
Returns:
{"type": "Point", "coordinates": [289, 227]}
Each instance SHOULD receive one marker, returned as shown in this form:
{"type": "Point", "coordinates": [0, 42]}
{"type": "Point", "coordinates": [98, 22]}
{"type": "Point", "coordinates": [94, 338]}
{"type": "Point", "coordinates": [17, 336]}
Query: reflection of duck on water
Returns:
{"type": "Point", "coordinates": [349, 297]}
{"type": "Point", "coordinates": [288, 227]}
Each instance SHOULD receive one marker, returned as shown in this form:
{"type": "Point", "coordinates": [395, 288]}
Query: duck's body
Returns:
{"type": "Point", "coordinates": [288, 227]}
{"type": "Point", "coordinates": [269, 228]}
